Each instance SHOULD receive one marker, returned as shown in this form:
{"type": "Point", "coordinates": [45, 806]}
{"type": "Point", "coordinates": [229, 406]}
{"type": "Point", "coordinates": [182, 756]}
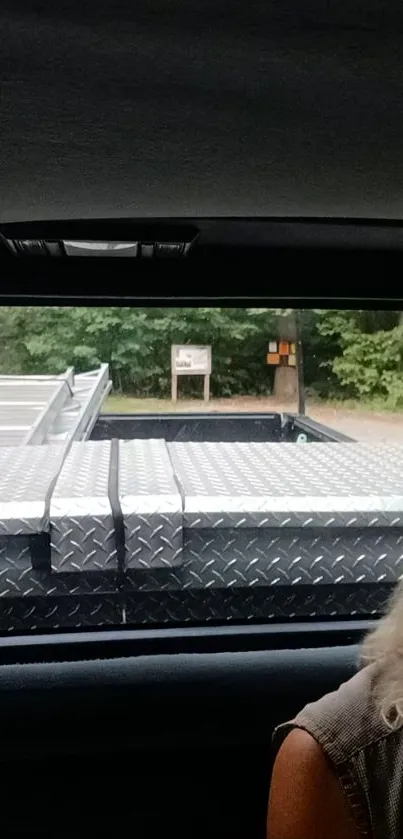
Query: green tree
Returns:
{"type": "Point", "coordinates": [136, 343]}
{"type": "Point", "coordinates": [368, 353]}
{"type": "Point", "coordinates": [346, 353]}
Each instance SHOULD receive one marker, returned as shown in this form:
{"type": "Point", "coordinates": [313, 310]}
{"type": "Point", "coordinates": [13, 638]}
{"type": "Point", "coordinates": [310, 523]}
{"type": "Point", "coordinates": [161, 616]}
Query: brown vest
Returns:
{"type": "Point", "coordinates": [366, 755]}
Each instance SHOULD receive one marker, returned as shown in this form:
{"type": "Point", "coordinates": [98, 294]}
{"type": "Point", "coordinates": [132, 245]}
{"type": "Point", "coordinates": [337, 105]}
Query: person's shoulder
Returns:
{"type": "Point", "coordinates": [347, 719]}
{"type": "Point", "coordinates": [306, 799]}
{"type": "Point", "coordinates": [325, 737]}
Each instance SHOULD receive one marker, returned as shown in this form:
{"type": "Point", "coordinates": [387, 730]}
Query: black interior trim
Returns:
{"type": "Point", "coordinates": [163, 702]}
{"type": "Point", "coordinates": [93, 644]}
{"type": "Point", "coordinates": [281, 252]}
{"type": "Point", "coordinates": [58, 284]}
{"type": "Point", "coordinates": [222, 232]}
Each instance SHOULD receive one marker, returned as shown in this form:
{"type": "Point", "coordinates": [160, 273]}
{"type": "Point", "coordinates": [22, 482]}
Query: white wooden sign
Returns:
{"type": "Point", "coordinates": [190, 360]}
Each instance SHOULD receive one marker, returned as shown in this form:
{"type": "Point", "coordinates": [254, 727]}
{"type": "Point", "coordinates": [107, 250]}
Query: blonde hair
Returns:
{"type": "Point", "coordinates": [383, 647]}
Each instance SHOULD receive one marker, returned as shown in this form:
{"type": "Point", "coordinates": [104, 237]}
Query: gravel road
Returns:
{"type": "Point", "coordinates": [365, 427]}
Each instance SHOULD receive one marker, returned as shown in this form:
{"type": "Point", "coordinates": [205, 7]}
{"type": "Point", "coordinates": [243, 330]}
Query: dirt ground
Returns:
{"type": "Point", "coordinates": [362, 425]}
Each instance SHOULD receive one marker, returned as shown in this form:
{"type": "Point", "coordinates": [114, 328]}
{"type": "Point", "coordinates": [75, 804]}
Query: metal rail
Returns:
{"type": "Point", "coordinates": [314, 431]}
{"type": "Point", "coordinates": [36, 410]}
{"type": "Point", "coordinates": [78, 415]}
{"type": "Point", "coordinates": [40, 429]}
{"type": "Point", "coordinates": [24, 404]}
{"type": "Point", "coordinates": [99, 388]}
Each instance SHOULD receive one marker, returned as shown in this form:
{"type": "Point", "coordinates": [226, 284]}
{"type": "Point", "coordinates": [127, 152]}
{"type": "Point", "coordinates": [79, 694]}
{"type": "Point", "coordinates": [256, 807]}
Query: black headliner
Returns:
{"type": "Point", "coordinates": [190, 108]}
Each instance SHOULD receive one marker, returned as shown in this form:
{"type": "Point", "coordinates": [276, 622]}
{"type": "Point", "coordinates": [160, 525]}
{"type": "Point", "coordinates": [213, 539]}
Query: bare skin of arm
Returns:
{"type": "Point", "coordinates": [306, 800]}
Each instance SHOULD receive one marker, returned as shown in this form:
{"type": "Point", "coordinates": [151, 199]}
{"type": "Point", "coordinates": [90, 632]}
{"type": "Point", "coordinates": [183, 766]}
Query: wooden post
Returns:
{"type": "Point", "coordinates": [206, 390]}
{"type": "Point", "coordinates": [300, 364]}
{"type": "Point", "coordinates": [174, 387]}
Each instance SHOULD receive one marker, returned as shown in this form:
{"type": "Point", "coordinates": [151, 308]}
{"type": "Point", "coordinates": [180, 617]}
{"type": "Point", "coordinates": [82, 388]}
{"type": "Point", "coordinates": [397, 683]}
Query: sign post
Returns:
{"type": "Point", "coordinates": [299, 364]}
{"type": "Point", "coordinates": [289, 354]}
{"type": "Point", "coordinates": [190, 360]}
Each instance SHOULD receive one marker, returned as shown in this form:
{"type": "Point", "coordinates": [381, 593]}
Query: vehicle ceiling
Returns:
{"type": "Point", "coordinates": [184, 107]}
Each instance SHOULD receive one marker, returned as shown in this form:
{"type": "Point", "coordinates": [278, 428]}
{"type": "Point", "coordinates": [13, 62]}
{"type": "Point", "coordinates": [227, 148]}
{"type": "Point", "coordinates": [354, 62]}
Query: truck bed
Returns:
{"type": "Point", "coordinates": [215, 428]}
{"type": "Point", "coordinates": [152, 531]}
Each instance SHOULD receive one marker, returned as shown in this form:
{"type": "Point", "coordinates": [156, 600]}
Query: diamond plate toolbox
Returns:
{"type": "Point", "coordinates": [82, 515]}
{"type": "Point", "coordinates": [261, 485]}
{"type": "Point", "coordinates": [151, 505]}
{"type": "Point", "coordinates": [262, 514]}
{"type": "Point", "coordinates": [26, 477]}
{"type": "Point", "coordinates": [82, 529]}
{"type": "Point", "coordinates": [216, 531]}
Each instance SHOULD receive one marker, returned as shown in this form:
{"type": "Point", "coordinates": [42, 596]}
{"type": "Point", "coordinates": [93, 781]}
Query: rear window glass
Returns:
{"type": "Point", "coordinates": [168, 466]}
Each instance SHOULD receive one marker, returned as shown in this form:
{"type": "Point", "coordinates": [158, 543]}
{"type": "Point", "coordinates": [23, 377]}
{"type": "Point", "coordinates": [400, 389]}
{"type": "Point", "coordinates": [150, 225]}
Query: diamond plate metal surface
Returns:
{"type": "Point", "coordinates": [243, 485]}
{"type": "Point", "coordinates": [151, 505]}
{"type": "Point", "coordinates": [139, 608]}
{"type": "Point", "coordinates": [82, 530]}
{"type": "Point", "coordinates": [29, 582]}
{"type": "Point", "coordinates": [15, 565]}
{"type": "Point", "coordinates": [26, 476]}
{"type": "Point", "coordinates": [205, 539]}
{"type": "Point", "coordinates": [264, 559]}
{"type": "Point", "coordinates": [291, 556]}
{"type": "Point", "coordinates": [277, 603]}
{"type": "Point", "coordinates": [38, 613]}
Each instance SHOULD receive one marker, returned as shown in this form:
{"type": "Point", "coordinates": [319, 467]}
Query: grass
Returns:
{"type": "Point", "coordinates": [120, 404]}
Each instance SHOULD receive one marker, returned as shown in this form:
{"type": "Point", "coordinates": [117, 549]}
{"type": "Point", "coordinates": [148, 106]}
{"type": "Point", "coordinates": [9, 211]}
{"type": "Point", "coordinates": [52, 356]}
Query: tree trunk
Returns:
{"type": "Point", "coordinates": [285, 384]}
{"type": "Point", "coordinates": [285, 379]}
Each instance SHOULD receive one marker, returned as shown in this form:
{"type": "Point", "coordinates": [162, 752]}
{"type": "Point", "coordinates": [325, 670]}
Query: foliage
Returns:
{"type": "Point", "coordinates": [136, 342]}
{"type": "Point", "coordinates": [368, 362]}
{"type": "Point", "coordinates": [351, 354]}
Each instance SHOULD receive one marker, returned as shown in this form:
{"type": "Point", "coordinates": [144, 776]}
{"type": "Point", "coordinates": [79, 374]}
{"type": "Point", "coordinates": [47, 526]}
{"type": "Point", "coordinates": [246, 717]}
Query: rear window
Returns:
{"type": "Point", "coordinates": [168, 466]}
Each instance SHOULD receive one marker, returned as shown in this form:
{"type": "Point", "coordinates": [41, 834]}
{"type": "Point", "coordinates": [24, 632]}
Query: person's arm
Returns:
{"type": "Point", "coordinates": [306, 800]}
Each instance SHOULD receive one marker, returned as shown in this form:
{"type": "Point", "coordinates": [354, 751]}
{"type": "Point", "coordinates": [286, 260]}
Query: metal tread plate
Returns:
{"type": "Point", "coordinates": [31, 614]}
{"type": "Point", "coordinates": [253, 604]}
{"type": "Point", "coordinates": [26, 477]}
{"type": "Point", "coordinates": [192, 553]}
{"type": "Point", "coordinates": [82, 529]}
{"type": "Point", "coordinates": [215, 558]}
{"type": "Point", "coordinates": [261, 485]}
{"type": "Point", "coordinates": [151, 505]}
{"type": "Point", "coordinates": [138, 608]}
